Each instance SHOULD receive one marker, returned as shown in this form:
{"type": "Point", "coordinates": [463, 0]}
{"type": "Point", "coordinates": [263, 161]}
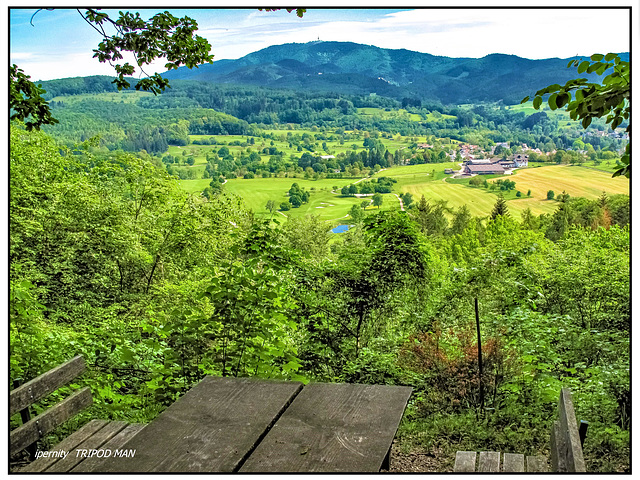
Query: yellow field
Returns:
{"type": "Point", "coordinates": [576, 181]}
{"type": "Point", "coordinates": [420, 180]}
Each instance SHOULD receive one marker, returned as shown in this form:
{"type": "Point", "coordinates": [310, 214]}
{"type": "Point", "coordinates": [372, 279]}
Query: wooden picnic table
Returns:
{"type": "Point", "coordinates": [250, 425]}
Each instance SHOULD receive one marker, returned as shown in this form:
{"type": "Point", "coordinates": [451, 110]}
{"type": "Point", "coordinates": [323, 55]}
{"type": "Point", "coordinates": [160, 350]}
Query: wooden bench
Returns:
{"type": "Point", "coordinates": [93, 435]}
{"type": "Point", "coordinates": [566, 449]}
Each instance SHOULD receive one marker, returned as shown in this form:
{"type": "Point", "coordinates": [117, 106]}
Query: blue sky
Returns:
{"type": "Point", "coordinates": [60, 43]}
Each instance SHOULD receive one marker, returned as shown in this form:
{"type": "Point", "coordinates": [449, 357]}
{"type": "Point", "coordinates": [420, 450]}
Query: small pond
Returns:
{"type": "Point", "coordinates": [341, 228]}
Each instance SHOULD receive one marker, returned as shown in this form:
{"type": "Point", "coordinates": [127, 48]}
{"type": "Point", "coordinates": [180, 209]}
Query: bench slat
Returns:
{"type": "Point", "coordinates": [94, 464]}
{"type": "Point", "coordinates": [537, 463]}
{"type": "Point", "coordinates": [66, 445]}
{"type": "Point", "coordinates": [212, 428]}
{"type": "Point", "coordinates": [513, 462]}
{"type": "Point", "coordinates": [569, 427]}
{"type": "Point", "coordinates": [33, 430]}
{"type": "Point", "coordinates": [95, 441]}
{"type": "Point", "coordinates": [489, 462]}
{"type": "Point", "coordinates": [465, 462]}
{"type": "Point", "coordinates": [331, 428]}
{"type": "Point", "coordinates": [558, 449]}
{"type": "Point", "coordinates": [48, 382]}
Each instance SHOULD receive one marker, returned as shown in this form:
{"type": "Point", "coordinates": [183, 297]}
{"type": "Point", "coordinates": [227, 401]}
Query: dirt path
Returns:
{"type": "Point", "coordinates": [417, 461]}
{"type": "Point", "coordinates": [400, 200]}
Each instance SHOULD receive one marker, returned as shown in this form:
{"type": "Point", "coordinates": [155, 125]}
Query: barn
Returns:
{"type": "Point", "coordinates": [484, 169]}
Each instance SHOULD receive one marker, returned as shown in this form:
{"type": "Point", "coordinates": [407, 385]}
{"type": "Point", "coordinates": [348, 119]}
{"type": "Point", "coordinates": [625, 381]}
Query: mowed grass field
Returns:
{"type": "Point", "coordinates": [429, 180]}
{"type": "Point", "coordinates": [116, 97]}
{"type": "Point", "coordinates": [256, 192]}
{"type": "Point", "coordinates": [381, 112]}
{"type": "Point", "coordinates": [576, 181]}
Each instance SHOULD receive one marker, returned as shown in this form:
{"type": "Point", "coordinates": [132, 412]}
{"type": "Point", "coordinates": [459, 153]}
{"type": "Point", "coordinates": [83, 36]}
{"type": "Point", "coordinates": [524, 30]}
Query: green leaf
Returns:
{"type": "Point", "coordinates": [126, 354]}
{"type": "Point", "coordinates": [583, 66]}
{"type": "Point", "coordinates": [562, 99]}
{"type": "Point", "coordinates": [596, 57]}
{"type": "Point", "coordinates": [537, 102]}
{"type": "Point", "coordinates": [552, 101]}
{"type": "Point", "coordinates": [610, 56]}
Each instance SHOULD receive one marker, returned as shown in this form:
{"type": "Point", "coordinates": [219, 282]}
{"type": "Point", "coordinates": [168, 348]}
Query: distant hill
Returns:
{"type": "Point", "coordinates": [344, 67]}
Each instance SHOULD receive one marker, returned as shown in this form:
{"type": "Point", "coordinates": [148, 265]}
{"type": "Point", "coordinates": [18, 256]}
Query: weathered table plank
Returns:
{"type": "Point", "coordinates": [93, 464]}
{"type": "Point", "coordinates": [489, 462]}
{"type": "Point", "coordinates": [465, 462]}
{"type": "Point", "coordinates": [212, 428]}
{"type": "Point", "coordinates": [513, 462]}
{"type": "Point", "coordinates": [95, 441]}
{"type": "Point", "coordinates": [333, 427]}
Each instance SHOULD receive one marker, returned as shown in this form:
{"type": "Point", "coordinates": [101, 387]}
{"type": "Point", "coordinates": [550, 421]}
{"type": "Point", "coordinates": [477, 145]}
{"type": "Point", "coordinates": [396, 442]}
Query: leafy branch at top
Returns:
{"type": "Point", "coordinates": [299, 11]}
{"type": "Point", "coordinates": [585, 100]}
{"type": "Point", "coordinates": [163, 36]}
{"type": "Point", "coordinates": [26, 101]}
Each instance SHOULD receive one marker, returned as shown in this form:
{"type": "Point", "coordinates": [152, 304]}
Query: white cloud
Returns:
{"type": "Point", "coordinates": [49, 67]}
{"type": "Point", "coordinates": [530, 33]}
{"type": "Point", "coordinates": [19, 56]}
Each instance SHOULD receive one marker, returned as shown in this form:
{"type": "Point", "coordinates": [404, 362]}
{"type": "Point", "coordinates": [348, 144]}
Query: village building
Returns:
{"type": "Point", "coordinates": [495, 165]}
{"type": "Point", "coordinates": [536, 150]}
{"type": "Point", "coordinates": [521, 160]}
{"type": "Point", "coordinates": [484, 169]}
{"type": "Point", "coordinates": [501, 144]}
{"type": "Point", "coordinates": [479, 161]}
{"type": "Point", "coordinates": [506, 163]}
{"type": "Point", "coordinates": [467, 149]}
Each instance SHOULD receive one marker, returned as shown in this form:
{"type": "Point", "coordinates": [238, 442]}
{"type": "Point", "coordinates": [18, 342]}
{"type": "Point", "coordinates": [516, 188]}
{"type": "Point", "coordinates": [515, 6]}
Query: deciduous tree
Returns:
{"type": "Point", "coordinates": [586, 100]}
{"type": "Point", "coordinates": [377, 200]}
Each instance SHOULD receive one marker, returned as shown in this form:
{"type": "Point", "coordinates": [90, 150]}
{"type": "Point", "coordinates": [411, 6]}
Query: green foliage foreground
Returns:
{"type": "Point", "coordinates": [157, 288]}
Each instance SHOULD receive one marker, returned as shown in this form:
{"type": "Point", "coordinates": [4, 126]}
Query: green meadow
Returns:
{"type": "Point", "coordinates": [576, 181]}
{"type": "Point", "coordinates": [256, 192]}
{"type": "Point", "coordinates": [428, 180]}
{"type": "Point", "coordinates": [116, 97]}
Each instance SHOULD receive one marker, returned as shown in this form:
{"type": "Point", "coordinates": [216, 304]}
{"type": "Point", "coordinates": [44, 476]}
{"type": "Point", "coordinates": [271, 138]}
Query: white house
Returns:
{"type": "Point", "coordinates": [521, 160]}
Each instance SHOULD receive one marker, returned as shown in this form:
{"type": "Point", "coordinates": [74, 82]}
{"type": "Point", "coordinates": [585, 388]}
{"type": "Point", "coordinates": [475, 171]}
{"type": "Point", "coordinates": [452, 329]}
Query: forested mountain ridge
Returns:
{"type": "Point", "coordinates": [346, 67]}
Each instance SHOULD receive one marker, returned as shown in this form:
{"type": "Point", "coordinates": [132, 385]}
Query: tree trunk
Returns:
{"type": "Point", "coordinates": [480, 382]}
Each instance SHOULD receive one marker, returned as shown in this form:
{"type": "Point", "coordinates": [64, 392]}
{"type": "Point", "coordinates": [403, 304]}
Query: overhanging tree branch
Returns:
{"type": "Point", "coordinates": [162, 36]}
{"type": "Point", "coordinates": [586, 100]}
